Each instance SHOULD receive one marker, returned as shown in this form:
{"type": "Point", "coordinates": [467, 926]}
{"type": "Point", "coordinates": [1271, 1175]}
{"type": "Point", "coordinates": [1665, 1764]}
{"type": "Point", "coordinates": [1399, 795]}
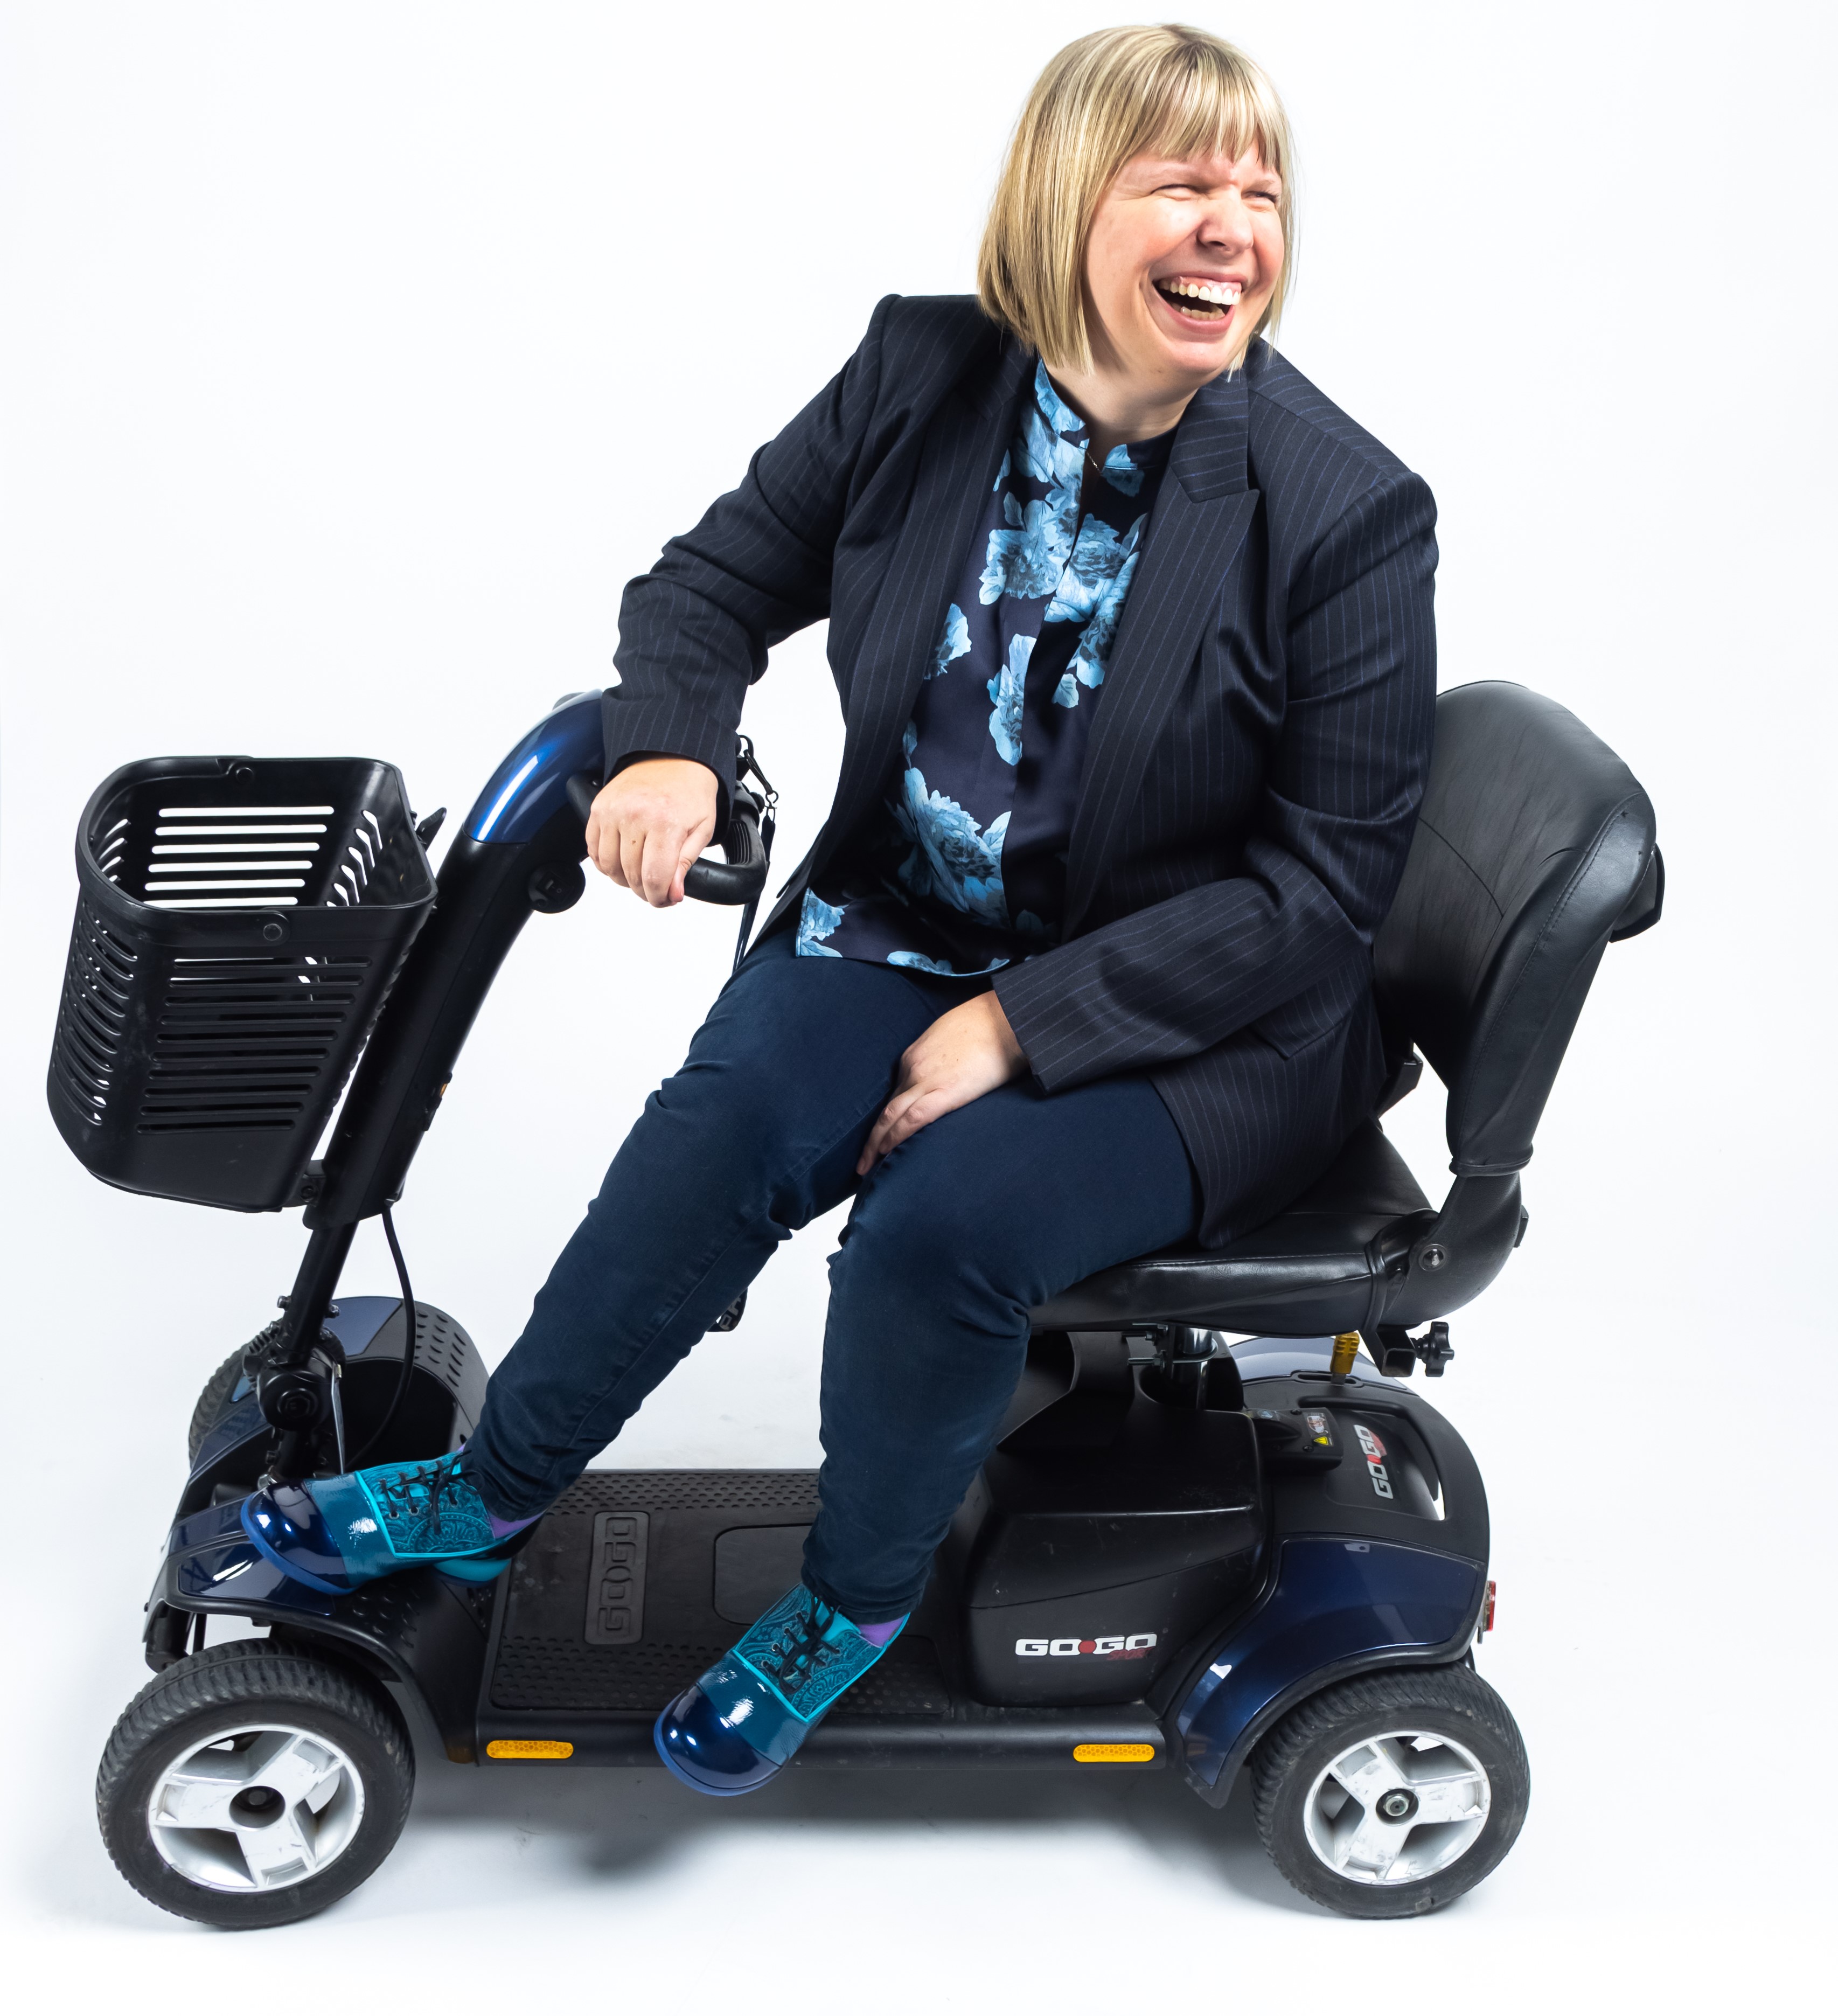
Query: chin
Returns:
{"type": "Point", "coordinates": [1200, 361]}
{"type": "Point", "coordinates": [1194, 356]}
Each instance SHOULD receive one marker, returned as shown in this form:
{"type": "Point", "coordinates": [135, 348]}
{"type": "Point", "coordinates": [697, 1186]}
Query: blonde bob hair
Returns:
{"type": "Point", "coordinates": [1102, 100]}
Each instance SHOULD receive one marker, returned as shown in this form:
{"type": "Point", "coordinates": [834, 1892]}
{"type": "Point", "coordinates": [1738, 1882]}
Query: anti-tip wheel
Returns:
{"type": "Point", "coordinates": [1393, 1795]}
{"type": "Point", "coordinates": [253, 1785]}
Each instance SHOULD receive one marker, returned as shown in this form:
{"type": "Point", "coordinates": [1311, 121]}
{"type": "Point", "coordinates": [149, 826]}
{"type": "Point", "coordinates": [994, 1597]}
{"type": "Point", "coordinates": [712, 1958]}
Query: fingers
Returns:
{"type": "Point", "coordinates": [669, 852]}
{"type": "Point", "coordinates": [686, 860]}
{"type": "Point", "coordinates": [969, 1051]}
{"type": "Point", "coordinates": [605, 839]}
{"type": "Point", "coordinates": [602, 840]}
{"type": "Point", "coordinates": [650, 861]}
{"type": "Point", "coordinates": [657, 866]}
{"type": "Point", "coordinates": [900, 1118]}
{"type": "Point", "coordinates": [648, 825]}
{"type": "Point", "coordinates": [631, 859]}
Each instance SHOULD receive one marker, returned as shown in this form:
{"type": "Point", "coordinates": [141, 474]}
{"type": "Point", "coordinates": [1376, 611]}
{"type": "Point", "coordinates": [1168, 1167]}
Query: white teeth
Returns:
{"type": "Point", "coordinates": [1220, 293]}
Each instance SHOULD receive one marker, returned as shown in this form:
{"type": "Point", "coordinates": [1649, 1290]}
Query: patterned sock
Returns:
{"type": "Point", "coordinates": [875, 1634]}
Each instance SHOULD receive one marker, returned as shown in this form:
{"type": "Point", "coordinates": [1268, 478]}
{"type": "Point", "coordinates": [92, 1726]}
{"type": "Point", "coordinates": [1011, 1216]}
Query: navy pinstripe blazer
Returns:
{"type": "Point", "coordinates": [1253, 772]}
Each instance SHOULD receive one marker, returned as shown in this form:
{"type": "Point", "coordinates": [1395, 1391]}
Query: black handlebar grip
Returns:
{"type": "Point", "coordinates": [583, 789]}
{"type": "Point", "coordinates": [740, 878]}
{"type": "Point", "coordinates": [737, 880]}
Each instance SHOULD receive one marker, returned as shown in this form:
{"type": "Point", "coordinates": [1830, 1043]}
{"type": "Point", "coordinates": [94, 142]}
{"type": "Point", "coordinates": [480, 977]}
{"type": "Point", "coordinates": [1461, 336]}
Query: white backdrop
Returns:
{"type": "Point", "coordinates": [355, 355]}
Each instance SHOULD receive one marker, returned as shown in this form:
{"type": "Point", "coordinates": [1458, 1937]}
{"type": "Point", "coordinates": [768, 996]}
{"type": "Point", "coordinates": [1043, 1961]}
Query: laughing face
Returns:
{"type": "Point", "coordinates": [1182, 259]}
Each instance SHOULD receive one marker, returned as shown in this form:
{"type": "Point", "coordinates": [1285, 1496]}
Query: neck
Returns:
{"type": "Point", "coordinates": [1117, 409]}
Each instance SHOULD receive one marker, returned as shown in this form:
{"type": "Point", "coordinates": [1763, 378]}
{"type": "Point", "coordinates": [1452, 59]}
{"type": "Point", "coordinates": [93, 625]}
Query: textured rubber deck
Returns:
{"type": "Point", "coordinates": [638, 1579]}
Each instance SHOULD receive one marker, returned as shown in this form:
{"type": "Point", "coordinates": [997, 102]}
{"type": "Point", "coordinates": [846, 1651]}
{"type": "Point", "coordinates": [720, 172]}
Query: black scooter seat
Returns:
{"type": "Point", "coordinates": [1308, 1272]}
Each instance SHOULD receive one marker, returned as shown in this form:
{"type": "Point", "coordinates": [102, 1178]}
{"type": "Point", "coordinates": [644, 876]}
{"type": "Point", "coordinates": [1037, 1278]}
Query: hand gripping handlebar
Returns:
{"type": "Point", "coordinates": [738, 878]}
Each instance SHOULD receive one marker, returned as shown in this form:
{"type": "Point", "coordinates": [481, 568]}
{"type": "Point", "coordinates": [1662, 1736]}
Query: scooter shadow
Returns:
{"type": "Point", "coordinates": [628, 1823]}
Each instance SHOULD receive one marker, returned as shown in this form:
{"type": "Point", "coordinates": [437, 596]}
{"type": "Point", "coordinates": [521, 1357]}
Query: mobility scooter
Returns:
{"type": "Point", "coordinates": [1266, 1557]}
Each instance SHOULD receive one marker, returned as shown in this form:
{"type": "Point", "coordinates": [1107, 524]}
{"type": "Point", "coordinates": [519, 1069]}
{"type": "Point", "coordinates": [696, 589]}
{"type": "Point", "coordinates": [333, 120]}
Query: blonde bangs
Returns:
{"type": "Point", "coordinates": [1217, 110]}
{"type": "Point", "coordinates": [1101, 101]}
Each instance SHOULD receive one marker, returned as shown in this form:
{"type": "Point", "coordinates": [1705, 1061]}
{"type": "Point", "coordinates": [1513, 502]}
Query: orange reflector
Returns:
{"type": "Point", "coordinates": [528, 1746]}
{"type": "Point", "coordinates": [1114, 1753]}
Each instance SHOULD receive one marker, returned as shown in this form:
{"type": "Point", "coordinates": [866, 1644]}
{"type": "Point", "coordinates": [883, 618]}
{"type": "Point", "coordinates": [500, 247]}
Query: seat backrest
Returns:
{"type": "Point", "coordinates": [1535, 848]}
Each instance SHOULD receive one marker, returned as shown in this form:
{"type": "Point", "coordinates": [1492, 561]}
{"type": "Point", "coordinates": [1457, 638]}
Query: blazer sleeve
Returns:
{"type": "Point", "coordinates": [694, 632]}
{"type": "Point", "coordinates": [1325, 857]}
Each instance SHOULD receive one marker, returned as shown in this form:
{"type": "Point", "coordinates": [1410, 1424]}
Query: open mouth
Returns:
{"type": "Point", "coordinates": [1206, 301]}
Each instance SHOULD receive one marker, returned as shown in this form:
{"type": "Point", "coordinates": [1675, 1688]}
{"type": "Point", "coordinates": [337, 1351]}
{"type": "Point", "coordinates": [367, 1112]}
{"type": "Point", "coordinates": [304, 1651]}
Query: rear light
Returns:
{"type": "Point", "coordinates": [1487, 1612]}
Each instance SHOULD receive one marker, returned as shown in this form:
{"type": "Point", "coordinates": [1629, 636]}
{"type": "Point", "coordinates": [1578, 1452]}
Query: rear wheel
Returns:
{"type": "Point", "coordinates": [1392, 1794]}
{"type": "Point", "coordinates": [253, 1785]}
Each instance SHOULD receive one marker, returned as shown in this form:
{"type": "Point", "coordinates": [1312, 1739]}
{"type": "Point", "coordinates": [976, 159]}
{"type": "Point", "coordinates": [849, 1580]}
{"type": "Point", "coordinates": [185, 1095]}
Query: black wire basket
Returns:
{"type": "Point", "coordinates": [238, 924]}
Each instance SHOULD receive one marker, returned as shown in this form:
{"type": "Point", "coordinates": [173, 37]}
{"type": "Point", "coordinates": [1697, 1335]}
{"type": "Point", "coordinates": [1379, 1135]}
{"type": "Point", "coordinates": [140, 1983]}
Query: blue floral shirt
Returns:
{"type": "Point", "coordinates": [963, 868]}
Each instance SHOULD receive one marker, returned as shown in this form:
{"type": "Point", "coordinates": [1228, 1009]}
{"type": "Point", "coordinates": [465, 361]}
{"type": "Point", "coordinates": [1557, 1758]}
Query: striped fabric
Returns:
{"type": "Point", "coordinates": [1252, 776]}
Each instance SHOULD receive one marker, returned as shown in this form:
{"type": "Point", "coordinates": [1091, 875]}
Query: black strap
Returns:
{"type": "Point", "coordinates": [747, 765]}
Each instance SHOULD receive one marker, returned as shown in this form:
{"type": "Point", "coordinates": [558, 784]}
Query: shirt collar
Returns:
{"type": "Point", "coordinates": [1054, 410]}
{"type": "Point", "coordinates": [1126, 457]}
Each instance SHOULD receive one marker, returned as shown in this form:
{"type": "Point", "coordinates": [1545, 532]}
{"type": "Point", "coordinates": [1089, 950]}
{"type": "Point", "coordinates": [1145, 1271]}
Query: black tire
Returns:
{"type": "Point", "coordinates": [212, 1403]}
{"type": "Point", "coordinates": [1451, 1702]}
{"type": "Point", "coordinates": [231, 1690]}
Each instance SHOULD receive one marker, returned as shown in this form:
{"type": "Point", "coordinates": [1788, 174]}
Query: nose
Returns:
{"type": "Point", "coordinates": [1226, 224]}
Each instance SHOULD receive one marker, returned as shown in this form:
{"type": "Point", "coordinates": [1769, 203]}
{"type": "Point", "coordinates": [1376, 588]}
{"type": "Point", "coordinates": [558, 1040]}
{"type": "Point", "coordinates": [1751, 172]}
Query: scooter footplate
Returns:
{"type": "Point", "coordinates": [637, 1580]}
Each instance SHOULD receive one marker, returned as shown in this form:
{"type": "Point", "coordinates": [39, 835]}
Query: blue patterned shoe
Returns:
{"type": "Point", "coordinates": [335, 1533]}
{"type": "Point", "coordinates": [743, 1719]}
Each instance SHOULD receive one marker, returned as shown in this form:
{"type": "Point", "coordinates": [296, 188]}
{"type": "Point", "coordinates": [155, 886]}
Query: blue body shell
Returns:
{"type": "Point", "coordinates": [1334, 1606]}
{"type": "Point", "coordinates": [530, 785]}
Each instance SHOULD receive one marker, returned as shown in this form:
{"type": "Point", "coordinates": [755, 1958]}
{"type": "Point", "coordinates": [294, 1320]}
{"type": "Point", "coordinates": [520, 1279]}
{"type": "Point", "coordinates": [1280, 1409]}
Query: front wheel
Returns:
{"type": "Point", "coordinates": [214, 1403]}
{"type": "Point", "coordinates": [253, 1785]}
{"type": "Point", "coordinates": [1392, 1794]}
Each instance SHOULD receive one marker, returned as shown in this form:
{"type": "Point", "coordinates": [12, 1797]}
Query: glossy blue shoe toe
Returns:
{"type": "Point", "coordinates": [334, 1534]}
{"type": "Point", "coordinates": [706, 1753]}
{"type": "Point", "coordinates": [742, 1721]}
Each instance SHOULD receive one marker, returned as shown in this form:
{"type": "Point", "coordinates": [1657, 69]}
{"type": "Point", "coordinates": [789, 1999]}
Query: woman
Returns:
{"type": "Point", "coordinates": [1132, 631]}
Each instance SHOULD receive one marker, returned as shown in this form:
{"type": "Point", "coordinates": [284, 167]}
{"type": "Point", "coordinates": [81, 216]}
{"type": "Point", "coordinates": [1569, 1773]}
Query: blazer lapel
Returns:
{"type": "Point", "coordinates": [1201, 517]}
{"type": "Point", "coordinates": [962, 451]}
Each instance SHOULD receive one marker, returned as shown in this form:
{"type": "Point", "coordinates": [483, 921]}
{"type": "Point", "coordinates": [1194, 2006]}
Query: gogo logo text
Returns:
{"type": "Point", "coordinates": [1132, 1647]}
{"type": "Point", "coordinates": [1374, 1451]}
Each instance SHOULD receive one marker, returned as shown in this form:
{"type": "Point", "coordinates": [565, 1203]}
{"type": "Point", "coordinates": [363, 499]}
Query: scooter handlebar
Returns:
{"type": "Point", "coordinates": [737, 880]}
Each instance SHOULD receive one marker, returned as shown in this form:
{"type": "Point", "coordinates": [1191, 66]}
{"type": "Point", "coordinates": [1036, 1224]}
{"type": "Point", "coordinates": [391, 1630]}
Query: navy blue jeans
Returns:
{"type": "Point", "coordinates": [953, 1238]}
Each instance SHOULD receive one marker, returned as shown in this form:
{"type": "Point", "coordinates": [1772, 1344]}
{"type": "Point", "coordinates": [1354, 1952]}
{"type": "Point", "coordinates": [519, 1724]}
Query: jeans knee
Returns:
{"type": "Point", "coordinates": [722, 1142]}
{"type": "Point", "coordinates": [955, 1259]}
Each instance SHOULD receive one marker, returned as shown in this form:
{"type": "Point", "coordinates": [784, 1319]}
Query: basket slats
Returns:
{"type": "Point", "coordinates": [239, 926]}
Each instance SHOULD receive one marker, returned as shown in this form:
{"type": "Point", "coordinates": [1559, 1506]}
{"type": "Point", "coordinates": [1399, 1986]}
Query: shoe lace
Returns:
{"type": "Point", "coordinates": [797, 1649]}
{"type": "Point", "coordinates": [417, 1492]}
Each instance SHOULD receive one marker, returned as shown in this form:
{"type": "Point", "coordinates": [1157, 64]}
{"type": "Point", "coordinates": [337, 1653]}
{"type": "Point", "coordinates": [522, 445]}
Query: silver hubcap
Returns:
{"type": "Point", "coordinates": [256, 1808]}
{"type": "Point", "coordinates": [1396, 1808]}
